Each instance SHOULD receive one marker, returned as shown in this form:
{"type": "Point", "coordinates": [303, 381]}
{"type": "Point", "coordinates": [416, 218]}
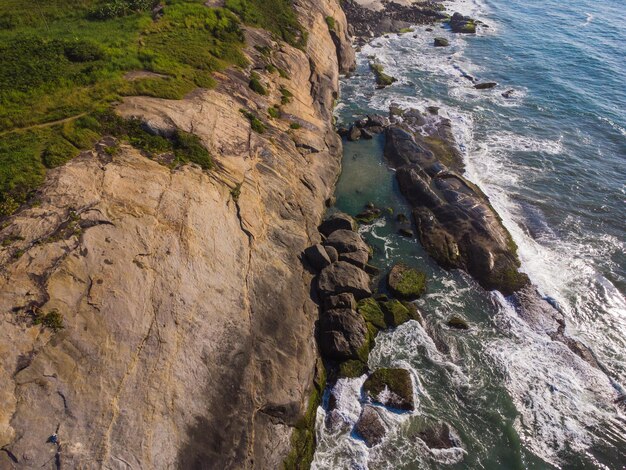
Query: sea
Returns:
{"type": "Point", "coordinates": [548, 147]}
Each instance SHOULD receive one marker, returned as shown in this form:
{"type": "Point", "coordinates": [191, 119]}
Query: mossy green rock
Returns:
{"type": "Point", "coordinates": [391, 387]}
{"type": "Point", "coordinates": [352, 369]}
{"type": "Point", "coordinates": [406, 283]}
{"type": "Point", "coordinates": [371, 311]}
{"type": "Point", "coordinates": [458, 322]}
{"type": "Point", "coordinates": [396, 313]}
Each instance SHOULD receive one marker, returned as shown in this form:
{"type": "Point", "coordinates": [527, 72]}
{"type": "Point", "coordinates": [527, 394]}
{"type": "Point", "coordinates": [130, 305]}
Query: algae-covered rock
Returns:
{"type": "Point", "coordinates": [396, 313]}
{"type": "Point", "coordinates": [406, 283]}
{"type": "Point", "coordinates": [391, 387]}
{"type": "Point", "coordinates": [352, 368]}
{"type": "Point", "coordinates": [457, 322]}
{"type": "Point", "coordinates": [371, 311]}
{"type": "Point", "coordinates": [370, 426]}
{"type": "Point", "coordinates": [441, 42]}
{"type": "Point", "coordinates": [382, 79]}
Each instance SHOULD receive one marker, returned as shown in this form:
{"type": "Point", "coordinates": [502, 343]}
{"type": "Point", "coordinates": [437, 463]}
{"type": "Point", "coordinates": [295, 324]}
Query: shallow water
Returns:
{"type": "Point", "coordinates": [551, 159]}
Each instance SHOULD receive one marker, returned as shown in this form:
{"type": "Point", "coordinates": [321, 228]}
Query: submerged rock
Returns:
{"type": "Point", "coordinates": [391, 387]}
{"type": "Point", "coordinates": [370, 426]}
{"type": "Point", "coordinates": [342, 277]}
{"type": "Point", "coordinates": [369, 215]}
{"type": "Point", "coordinates": [337, 221]}
{"type": "Point", "coordinates": [439, 435]}
{"type": "Point", "coordinates": [354, 134]}
{"type": "Point", "coordinates": [457, 322]}
{"type": "Point", "coordinates": [406, 283]}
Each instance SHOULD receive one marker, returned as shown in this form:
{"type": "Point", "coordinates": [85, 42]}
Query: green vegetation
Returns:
{"type": "Point", "coordinates": [406, 283]}
{"type": "Point", "coordinates": [255, 122]}
{"type": "Point", "coordinates": [406, 30]}
{"type": "Point", "coordinates": [274, 112]}
{"type": "Point", "coordinates": [396, 313]}
{"type": "Point", "coordinates": [236, 192]}
{"type": "Point", "coordinates": [276, 16]}
{"type": "Point", "coordinates": [295, 125]}
{"type": "Point", "coordinates": [330, 21]}
{"type": "Point", "coordinates": [256, 85]}
{"type": "Point", "coordinates": [52, 320]}
{"type": "Point", "coordinates": [286, 96]}
{"type": "Point", "coordinates": [352, 368]}
{"type": "Point", "coordinates": [62, 62]}
{"type": "Point", "coordinates": [382, 79]}
{"type": "Point", "coordinates": [371, 311]}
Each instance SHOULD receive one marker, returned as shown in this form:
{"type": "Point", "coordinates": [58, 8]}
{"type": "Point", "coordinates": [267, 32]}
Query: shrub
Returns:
{"type": "Point", "coordinates": [256, 85]}
{"type": "Point", "coordinates": [274, 112]}
{"type": "Point", "coordinates": [330, 21]}
{"type": "Point", "coordinates": [52, 320]}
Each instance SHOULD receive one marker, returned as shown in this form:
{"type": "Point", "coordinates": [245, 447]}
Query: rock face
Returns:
{"type": "Point", "coordinates": [454, 219]}
{"type": "Point", "coordinates": [182, 306]}
{"type": "Point", "coordinates": [370, 426]}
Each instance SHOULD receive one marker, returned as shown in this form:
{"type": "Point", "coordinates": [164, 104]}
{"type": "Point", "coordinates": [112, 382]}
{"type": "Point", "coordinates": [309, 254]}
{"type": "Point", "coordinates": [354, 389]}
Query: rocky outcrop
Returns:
{"type": "Point", "coordinates": [370, 426]}
{"type": "Point", "coordinates": [183, 333]}
{"type": "Point", "coordinates": [462, 24]}
{"type": "Point", "coordinates": [391, 387]}
{"type": "Point", "coordinates": [455, 222]}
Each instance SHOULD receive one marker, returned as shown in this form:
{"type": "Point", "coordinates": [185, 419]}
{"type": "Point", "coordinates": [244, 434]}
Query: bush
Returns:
{"type": "Point", "coordinates": [83, 51]}
{"type": "Point", "coordinates": [330, 21]}
{"type": "Point", "coordinates": [52, 320]}
{"type": "Point", "coordinates": [256, 85]}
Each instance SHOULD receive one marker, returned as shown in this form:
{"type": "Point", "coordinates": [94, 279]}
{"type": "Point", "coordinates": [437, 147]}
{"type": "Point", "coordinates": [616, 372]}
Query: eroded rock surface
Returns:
{"type": "Point", "coordinates": [187, 337]}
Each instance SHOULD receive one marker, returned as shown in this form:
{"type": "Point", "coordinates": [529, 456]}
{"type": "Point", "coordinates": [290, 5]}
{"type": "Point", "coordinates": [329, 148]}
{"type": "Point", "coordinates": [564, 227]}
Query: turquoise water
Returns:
{"type": "Point", "coordinates": [552, 160]}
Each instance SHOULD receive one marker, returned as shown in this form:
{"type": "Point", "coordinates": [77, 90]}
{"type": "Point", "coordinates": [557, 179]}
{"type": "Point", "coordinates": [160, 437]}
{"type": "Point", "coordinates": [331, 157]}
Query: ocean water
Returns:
{"type": "Point", "coordinates": [552, 159]}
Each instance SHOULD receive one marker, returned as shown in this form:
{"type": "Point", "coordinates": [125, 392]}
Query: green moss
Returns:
{"type": "Point", "coordinates": [382, 79]}
{"type": "Point", "coordinates": [353, 368]}
{"type": "Point", "coordinates": [256, 85]}
{"type": "Point", "coordinates": [236, 192]}
{"type": "Point", "coordinates": [406, 283]}
{"type": "Point", "coordinates": [371, 311]}
{"type": "Point", "coordinates": [286, 96]}
{"type": "Point", "coordinates": [406, 30]}
{"type": "Point", "coordinates": [255, 122]}
{"type": "Point", "coordinates": [396, 313]}
{"type": "Point", "coordinates": [303, 438]}
{"type": "Point", "coordinates": [52, 320]}
{"type": "Point", "coordinates": [397, 381]}
{"type": "Point", "coordinates": [330, 21]}
{"type": "Point", "coordinates": [364, 352]}
{"type": "Point", "coordinates": [295, 125]}
{"type": "Point", "coordinates": [274, 112]}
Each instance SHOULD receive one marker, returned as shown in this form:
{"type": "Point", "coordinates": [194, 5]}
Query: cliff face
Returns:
{"type": "Point", "coordinates": [187, 336]}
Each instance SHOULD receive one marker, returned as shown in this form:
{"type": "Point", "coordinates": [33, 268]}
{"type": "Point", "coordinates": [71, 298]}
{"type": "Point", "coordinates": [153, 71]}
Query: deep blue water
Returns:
{"type": "Point", "coordinates": [552, 159]}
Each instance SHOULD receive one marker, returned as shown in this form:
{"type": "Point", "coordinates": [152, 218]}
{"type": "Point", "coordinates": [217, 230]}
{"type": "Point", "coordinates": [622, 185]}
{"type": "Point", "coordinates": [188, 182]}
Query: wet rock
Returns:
{"type": "Point", "coordinates": [406, 283]}
{"type": "Point", "coordinates": [354, 134]}
{"type": "Point", "coordinates": [376, 120]}
{"type": "Point", "coordinates": [345, 300]}
{"type": "Point", "coordinates": [439, 436]}
{"type": "Point", "coordinates": [457, 322]}
{"type": "Point", "coordinates": [508, 94]}
{"type": "Point", "coordinates": [343, 131]}
{"type": "Point", "coordinates": [337, 221]}
{"type": "Point", "coordinates": [462, 24]}
{"type": "Point", "coordinates": [454, 220]}
{"type": "Point", "coordinates": [346, 241]}
{"type": "Point", "coordinates": [369, 215]}
{"type": "Point", "coordinates": [352, 368]}
{"type": "Point", "coordinates": [343, 334]}
{"type": "Point", "coordinates": [376, 129]}
{"type": "Point", "coordinates": [485, 85]}
{"type": "Point", "coordinates": [402, 218]}
{"type": "Point", "coordinates": [370, 426]}
{"type": "Point", "coordinates": [366, 135]}
{"type": "Point", "coordinates": [391, 387]}
{"type": "Point", "coordinates": [332, 253]}
{"type": "Point", "coordinates": [396, 313]}
{"type": "Point", "coordinates": [341, 277]}
{"type": "Point", "coordinates": [441, 42]}
{"type": "Point", "coordinates": [372, 312]}
{"type": "Point", "coordinates": [405, 232]}
{"type": "Point", "coordinates": [318, 258]}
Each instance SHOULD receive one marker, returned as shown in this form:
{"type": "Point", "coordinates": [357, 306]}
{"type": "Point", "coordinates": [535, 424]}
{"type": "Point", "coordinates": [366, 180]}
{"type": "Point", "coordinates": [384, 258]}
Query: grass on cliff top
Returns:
{"type": "Point", "coordinates": [65, 60]}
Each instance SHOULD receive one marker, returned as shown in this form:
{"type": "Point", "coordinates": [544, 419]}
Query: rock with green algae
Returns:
{"type": "Point", "coordinates": [371, 311]}
{"type": "Point", "coordinates": [396, 313]}
{"type": "Point", "coordinates": [352, 369]}
{"type": "Point", "coordinates": [457, 322]}
{"type": "Point", "coordinates": [391, 387]}
{"type": "Point", "coordinates": [406, 283]}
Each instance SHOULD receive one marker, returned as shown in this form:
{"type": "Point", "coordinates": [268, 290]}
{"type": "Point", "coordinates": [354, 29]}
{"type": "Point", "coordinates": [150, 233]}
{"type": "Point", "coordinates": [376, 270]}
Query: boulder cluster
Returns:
{"type": "Point", "coordinates": [351, 315]}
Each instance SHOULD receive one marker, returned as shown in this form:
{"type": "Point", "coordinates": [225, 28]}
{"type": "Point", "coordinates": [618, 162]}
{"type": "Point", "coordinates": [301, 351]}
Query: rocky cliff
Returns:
{"type": "Point", "coordinates": [158, 318]}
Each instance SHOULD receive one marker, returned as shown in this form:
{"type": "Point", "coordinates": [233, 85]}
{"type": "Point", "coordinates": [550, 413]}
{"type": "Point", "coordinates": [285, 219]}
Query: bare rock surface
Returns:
{"type": "Point", "coordinates": [187, 325]}
{"type": "Point", "coordinates": [370, 426]}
